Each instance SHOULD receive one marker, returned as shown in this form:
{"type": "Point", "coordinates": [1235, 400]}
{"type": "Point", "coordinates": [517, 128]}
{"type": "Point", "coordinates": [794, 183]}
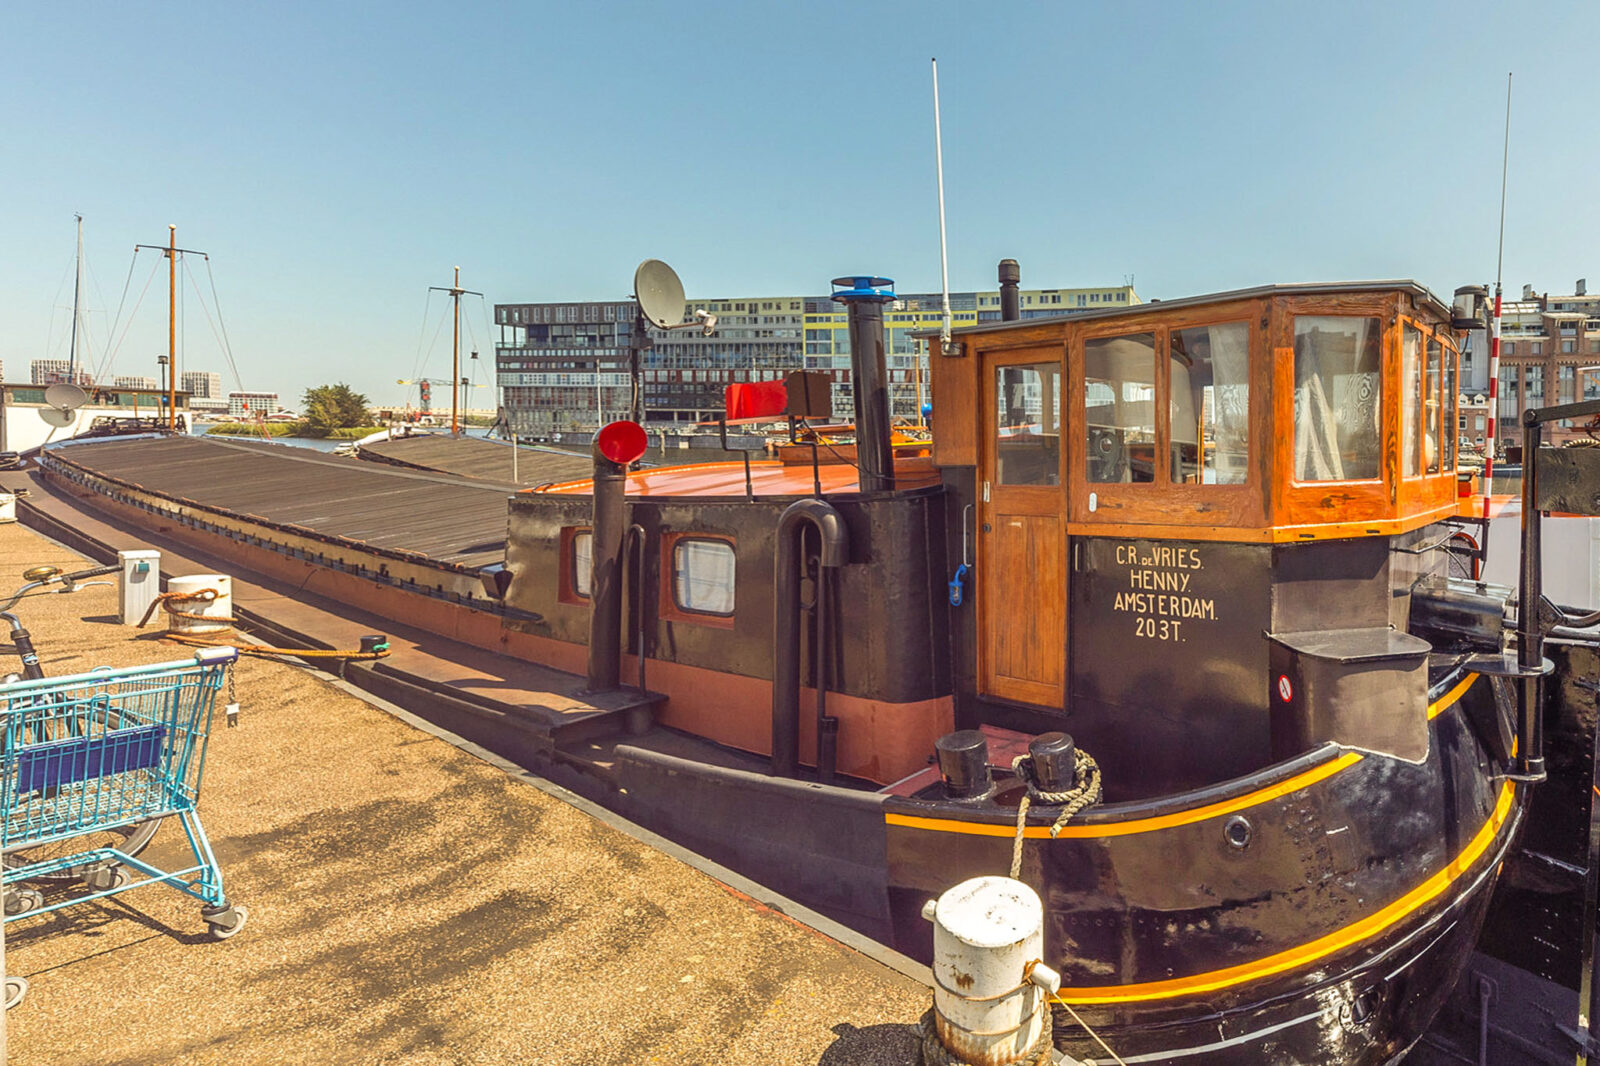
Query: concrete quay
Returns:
{"type": "Point", "coordinates": [417, 901]}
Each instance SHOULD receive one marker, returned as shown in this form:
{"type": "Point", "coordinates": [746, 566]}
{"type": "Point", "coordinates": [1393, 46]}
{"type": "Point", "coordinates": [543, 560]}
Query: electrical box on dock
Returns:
{"type": "Point", "coordinates": [140, 584]}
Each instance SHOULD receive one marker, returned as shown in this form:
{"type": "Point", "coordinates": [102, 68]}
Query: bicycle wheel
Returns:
{"type": "Point", "coordinates": [128, 839]}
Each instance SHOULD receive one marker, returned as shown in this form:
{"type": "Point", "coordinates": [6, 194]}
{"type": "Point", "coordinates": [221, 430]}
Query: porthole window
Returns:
{"type": "Point", "coordinates": [582, 562]}
{"type": "Point", "coordinates": [702, 576]}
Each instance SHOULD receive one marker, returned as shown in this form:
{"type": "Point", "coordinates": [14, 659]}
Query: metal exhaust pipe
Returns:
{"type": "Point", "coordinates": [835, 552]}
{"type": "Point", "coordinates": [864, 297]}
{"type": "Point", "coordinates": [1010, 301]}
{"type": "Point", "coordinates": [615, 447]}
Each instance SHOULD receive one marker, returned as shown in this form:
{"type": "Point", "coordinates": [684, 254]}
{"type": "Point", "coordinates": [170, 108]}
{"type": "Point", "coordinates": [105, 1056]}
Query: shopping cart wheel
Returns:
{"type": "Point", "coordinates": [226, 920]}
{"type": "Point", "coordinates": [128, 839]}
{"type": "Point", "coordinates": [102, 878]}
{"type": "Point", "coordinates": [16, 988]}
{"type": "Point", "coordinates": [23, 900]}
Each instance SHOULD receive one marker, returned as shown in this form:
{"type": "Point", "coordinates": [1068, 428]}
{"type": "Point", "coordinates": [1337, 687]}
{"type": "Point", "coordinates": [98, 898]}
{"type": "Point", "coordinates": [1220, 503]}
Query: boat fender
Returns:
{"type": "Point", "coordinates": [957, 591]}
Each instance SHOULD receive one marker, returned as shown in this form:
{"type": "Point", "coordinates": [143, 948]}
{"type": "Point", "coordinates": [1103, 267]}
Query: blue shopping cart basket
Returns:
{"type": "Point", "coordinates": [88, 758]}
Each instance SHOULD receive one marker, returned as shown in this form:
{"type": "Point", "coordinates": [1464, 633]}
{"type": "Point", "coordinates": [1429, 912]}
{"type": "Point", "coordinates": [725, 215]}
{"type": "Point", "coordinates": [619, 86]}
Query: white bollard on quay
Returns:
{"type": "Point", "coordinates": [991, 989]}
{"type": "Point", "coordinates": [219, 608]}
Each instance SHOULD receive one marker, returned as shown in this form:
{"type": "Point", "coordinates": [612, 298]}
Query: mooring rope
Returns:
{"type": "Point", "coordinates": [1086, 794]}
{"type": "Point", "coordinates": [934, 1053]}
{"type": "Point", "coordinates": [166, 600]}
{"type": "Point", "coordinates": [1075, 1017]}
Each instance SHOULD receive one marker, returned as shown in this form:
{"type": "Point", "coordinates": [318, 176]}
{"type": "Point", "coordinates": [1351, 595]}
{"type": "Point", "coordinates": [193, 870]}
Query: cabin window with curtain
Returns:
{"type": "Point", "coordinates": [1028, 438]}
{"type": "Point", "coordinates": [582, 562]}
{"type": "Point", "coordinates": [702, 575]}
{"type": "Point", "coordinates": [1411, 400]}
{"type": "Point", "coordinates": [1209, 429]}
{"type": "Point", "coordinates": [1336, 366]}
{"type": "Point", "coordinates": [1120, 408]}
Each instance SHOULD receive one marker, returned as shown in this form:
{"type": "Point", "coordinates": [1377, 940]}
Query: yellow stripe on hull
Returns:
{"type": "Point", "coordinates": [1166, 821]}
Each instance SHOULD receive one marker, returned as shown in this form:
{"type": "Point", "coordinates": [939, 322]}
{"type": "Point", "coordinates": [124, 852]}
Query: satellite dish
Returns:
{"type": "Point", "coordinates": [65, 396]}
{"type": "Point", "coordinates": [57, 417]}
{"type": "Point", "coordinates": [659, 292]}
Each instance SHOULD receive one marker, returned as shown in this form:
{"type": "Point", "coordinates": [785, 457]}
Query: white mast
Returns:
{"type": "Point", "coordinates": [944, 258]}
{"type": "Point", "coordinates": [77, 289]}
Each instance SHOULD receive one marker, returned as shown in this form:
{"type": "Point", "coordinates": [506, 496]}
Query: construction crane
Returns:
{"type": "Point", "coordinates": [425, 389]}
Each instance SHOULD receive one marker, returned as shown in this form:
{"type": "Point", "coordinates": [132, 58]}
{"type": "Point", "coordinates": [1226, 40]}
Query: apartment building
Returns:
{"type": "Point", "coordinates": [564, 367]}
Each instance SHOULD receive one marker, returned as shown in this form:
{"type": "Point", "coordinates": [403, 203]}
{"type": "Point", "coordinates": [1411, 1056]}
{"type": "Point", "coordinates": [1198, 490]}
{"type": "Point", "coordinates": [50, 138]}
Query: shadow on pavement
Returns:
{"type": "Point", "coordinates": [875, 1045]}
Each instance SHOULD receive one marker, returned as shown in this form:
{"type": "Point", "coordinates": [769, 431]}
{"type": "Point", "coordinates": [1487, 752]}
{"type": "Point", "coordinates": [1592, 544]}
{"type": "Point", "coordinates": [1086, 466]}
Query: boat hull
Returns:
{"type": "Point", "coordinates": [1317, 914]}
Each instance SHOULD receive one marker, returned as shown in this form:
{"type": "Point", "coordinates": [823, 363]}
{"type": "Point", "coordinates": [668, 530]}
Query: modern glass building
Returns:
{"type": "Point", "coordinates": [563, 367]}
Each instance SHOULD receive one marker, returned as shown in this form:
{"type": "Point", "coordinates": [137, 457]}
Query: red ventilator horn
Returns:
{"type": "Point", "coordinates": [621, 442]}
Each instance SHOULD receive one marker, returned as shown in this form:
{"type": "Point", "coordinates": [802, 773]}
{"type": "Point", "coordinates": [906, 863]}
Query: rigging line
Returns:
{"type": "Point", "coordinates": [94, 280]}
{"type": "Point", "coordinates": [422, 333]}
{"type": "Point", "coordinates": [55, 304]}
{"type": "Point", "coordinates": [112, 332]}
{"type": "Point", "coordinates": [227, 344]}
{"type": "Point", "coordinates": [202, 299]}
{"type": "Point", "coordinates": [117, 346]}
{"type": "Point", "coordinates": [442, 319]}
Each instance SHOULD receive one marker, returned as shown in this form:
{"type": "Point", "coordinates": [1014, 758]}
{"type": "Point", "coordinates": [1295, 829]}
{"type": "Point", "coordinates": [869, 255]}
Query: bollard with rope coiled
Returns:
{"type": "Point", "coordinates": [934, 1053]}
{"type": "Point", "coordinates": [1041, 768]}
{"type": "Point", "coordinates": [374, 647]}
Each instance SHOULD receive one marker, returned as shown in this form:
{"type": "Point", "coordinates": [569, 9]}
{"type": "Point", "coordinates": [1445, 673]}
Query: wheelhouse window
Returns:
{"type": "Point", "coordinates": [1433, 401]}
{"type": "Point", "coordinates": [703, 576]}
{"type": "Point", "coordinates": [1028, 421]}
{"type": "Point", "coordinates": [1336, 398]}
{"type": "Point", "coordinates": [1120, 408]}
{"type": "Point", "coordinates": [1450, 399]}
{"type": "Point", "coordinates": [1209, 430]}
{"type": "Point", "coordinates": [1411, 400]}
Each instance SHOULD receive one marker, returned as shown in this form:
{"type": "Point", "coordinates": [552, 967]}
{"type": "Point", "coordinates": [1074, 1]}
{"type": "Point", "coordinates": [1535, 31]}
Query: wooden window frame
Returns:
{"type": "Point", "coordinates": [1162, 502]}
{"type": "Point", "coordinates": [1359, 500]}
{"type": "Point", "coordinates": [670, 610]}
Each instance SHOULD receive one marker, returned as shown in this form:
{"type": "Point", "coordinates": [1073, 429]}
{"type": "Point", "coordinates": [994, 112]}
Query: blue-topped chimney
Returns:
{"type": "Point", "coordinates": [864, 297]}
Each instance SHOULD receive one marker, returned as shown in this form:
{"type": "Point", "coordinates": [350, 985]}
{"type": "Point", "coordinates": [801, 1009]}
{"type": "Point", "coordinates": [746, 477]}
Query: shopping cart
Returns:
{"type": "Point", "coordinates": [85, 758]}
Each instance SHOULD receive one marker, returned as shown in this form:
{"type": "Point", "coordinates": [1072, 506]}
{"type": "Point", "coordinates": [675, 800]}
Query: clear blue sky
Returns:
{"type": "Point", "coordinates": [336, 159]}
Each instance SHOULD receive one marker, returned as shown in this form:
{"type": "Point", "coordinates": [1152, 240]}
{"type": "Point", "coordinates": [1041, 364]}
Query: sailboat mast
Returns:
{"type": "Point", "coordinates": [77, 294]}
{"type": "Point", "coordinates": [455, 355]}
{"type": "Point", "coordinates": [456, 292]}
{"type": "Point", "coordinates": [172, 327]}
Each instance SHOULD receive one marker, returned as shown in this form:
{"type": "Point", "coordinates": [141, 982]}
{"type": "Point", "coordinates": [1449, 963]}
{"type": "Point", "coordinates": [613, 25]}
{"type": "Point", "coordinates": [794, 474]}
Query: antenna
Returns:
{"type": "Point", "coordinates": [944, 258]}
{"type": "Point", "coordinates": [660, 294]}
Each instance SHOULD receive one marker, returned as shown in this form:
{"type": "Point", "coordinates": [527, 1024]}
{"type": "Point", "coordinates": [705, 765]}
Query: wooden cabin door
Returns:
{"type": "Point", "coordinates": [1022, 541]}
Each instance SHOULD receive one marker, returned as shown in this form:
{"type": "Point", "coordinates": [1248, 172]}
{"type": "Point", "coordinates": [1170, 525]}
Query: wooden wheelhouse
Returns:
{"type": "Point", "coordinates": [1163, 501]}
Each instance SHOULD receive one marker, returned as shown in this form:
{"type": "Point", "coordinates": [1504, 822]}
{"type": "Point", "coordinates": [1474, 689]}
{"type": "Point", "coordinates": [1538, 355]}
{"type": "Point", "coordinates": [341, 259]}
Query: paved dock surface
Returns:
{"type": "Point", "coordinates": [412, 904]}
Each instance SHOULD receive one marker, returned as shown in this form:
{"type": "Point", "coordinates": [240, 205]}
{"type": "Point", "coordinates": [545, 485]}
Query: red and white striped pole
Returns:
{"type": "Point", "coordinates": [1494, 403]}
{"type": "Point", "coordinates": [1494, 329]}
